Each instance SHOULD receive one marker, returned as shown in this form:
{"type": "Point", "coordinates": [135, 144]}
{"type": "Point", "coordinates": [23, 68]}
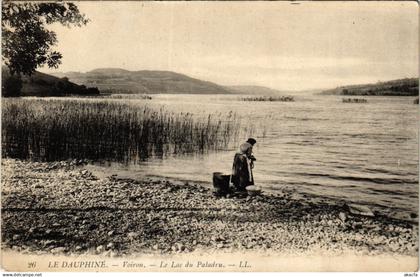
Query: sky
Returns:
{"type": "Point", "coordinates": [311, 45]}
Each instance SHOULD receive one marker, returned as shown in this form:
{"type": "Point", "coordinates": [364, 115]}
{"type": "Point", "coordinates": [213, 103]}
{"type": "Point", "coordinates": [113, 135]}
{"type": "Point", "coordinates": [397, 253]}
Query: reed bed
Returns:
{"type": "Point", "coordinates": [354, 100]}
{"type": "Point", "coordinates": [270, 98]}
{"type": "Point", "coordinates": [130, 96]}
{"type": "Point", "coordinates": [50, 130]}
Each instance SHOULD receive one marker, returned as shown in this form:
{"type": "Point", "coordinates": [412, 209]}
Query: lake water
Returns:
{"type": "Point", "coordinates": [363, 153]}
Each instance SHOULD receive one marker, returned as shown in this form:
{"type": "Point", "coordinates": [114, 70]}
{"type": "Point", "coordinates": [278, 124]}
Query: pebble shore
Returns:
{"type": "Point", "coordinates": [62, 208]}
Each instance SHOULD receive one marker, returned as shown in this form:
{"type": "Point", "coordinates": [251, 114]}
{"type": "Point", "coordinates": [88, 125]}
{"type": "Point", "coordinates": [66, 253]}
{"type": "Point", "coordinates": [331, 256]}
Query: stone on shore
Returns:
{"type": "Point", "coordinates": [342, 216]}
{"type": "Point", "coordinates": [58, 250]}
{"type": "Point", "coordinates": [360, 210]}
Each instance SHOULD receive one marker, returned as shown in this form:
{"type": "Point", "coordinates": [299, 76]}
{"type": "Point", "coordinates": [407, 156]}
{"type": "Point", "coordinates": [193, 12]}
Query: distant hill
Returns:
{"type": "Point", "coordinates": [116, 80]}
{"type": "Point", "coordinates": [41, 84]}
{"type": "Point", "coordinates": [401, 87]}
{"type": "Point", "coordinates": [254, 90]}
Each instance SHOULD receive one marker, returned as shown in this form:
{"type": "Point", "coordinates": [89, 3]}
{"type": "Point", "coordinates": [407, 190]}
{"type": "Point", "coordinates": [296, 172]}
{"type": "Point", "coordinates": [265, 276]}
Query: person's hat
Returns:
{"type": "Point", "coordinates": [244, 147]}
{"type": "Point", "coordinates": [252, 141]}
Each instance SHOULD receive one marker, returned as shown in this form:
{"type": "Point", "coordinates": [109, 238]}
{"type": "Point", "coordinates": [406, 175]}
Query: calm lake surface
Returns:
{"type": "Point", "coordinates": [363, 153]}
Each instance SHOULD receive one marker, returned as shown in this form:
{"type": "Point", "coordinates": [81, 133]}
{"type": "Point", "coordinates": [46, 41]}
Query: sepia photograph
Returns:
{"type": "Point", "coordinates": [267, 136]}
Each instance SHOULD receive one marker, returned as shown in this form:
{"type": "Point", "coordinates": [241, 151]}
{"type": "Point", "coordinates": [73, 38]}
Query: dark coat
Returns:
{"type": "Point", "coordinates": [241, 172]}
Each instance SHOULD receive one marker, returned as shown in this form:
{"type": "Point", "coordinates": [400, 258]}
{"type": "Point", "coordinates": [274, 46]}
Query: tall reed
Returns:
{"type": "Point", "coordinates": [49, 130]}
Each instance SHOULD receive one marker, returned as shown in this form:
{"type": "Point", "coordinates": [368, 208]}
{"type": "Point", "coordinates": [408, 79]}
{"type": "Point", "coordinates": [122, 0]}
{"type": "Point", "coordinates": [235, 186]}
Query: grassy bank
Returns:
{"type": "Point", "coordinates": [62, 208]}
{"type": "Point", "coordinates": [103, 130]}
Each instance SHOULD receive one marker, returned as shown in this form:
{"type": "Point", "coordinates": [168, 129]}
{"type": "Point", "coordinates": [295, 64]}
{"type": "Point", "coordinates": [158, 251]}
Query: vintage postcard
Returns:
{"type": "Point", "coordinates": [209, 136]}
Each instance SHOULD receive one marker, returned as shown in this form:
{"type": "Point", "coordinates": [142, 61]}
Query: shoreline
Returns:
{"type": "Point", "coordinates": [121, 172]}
{"type": "Point", "coordinates": [63, 209]}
